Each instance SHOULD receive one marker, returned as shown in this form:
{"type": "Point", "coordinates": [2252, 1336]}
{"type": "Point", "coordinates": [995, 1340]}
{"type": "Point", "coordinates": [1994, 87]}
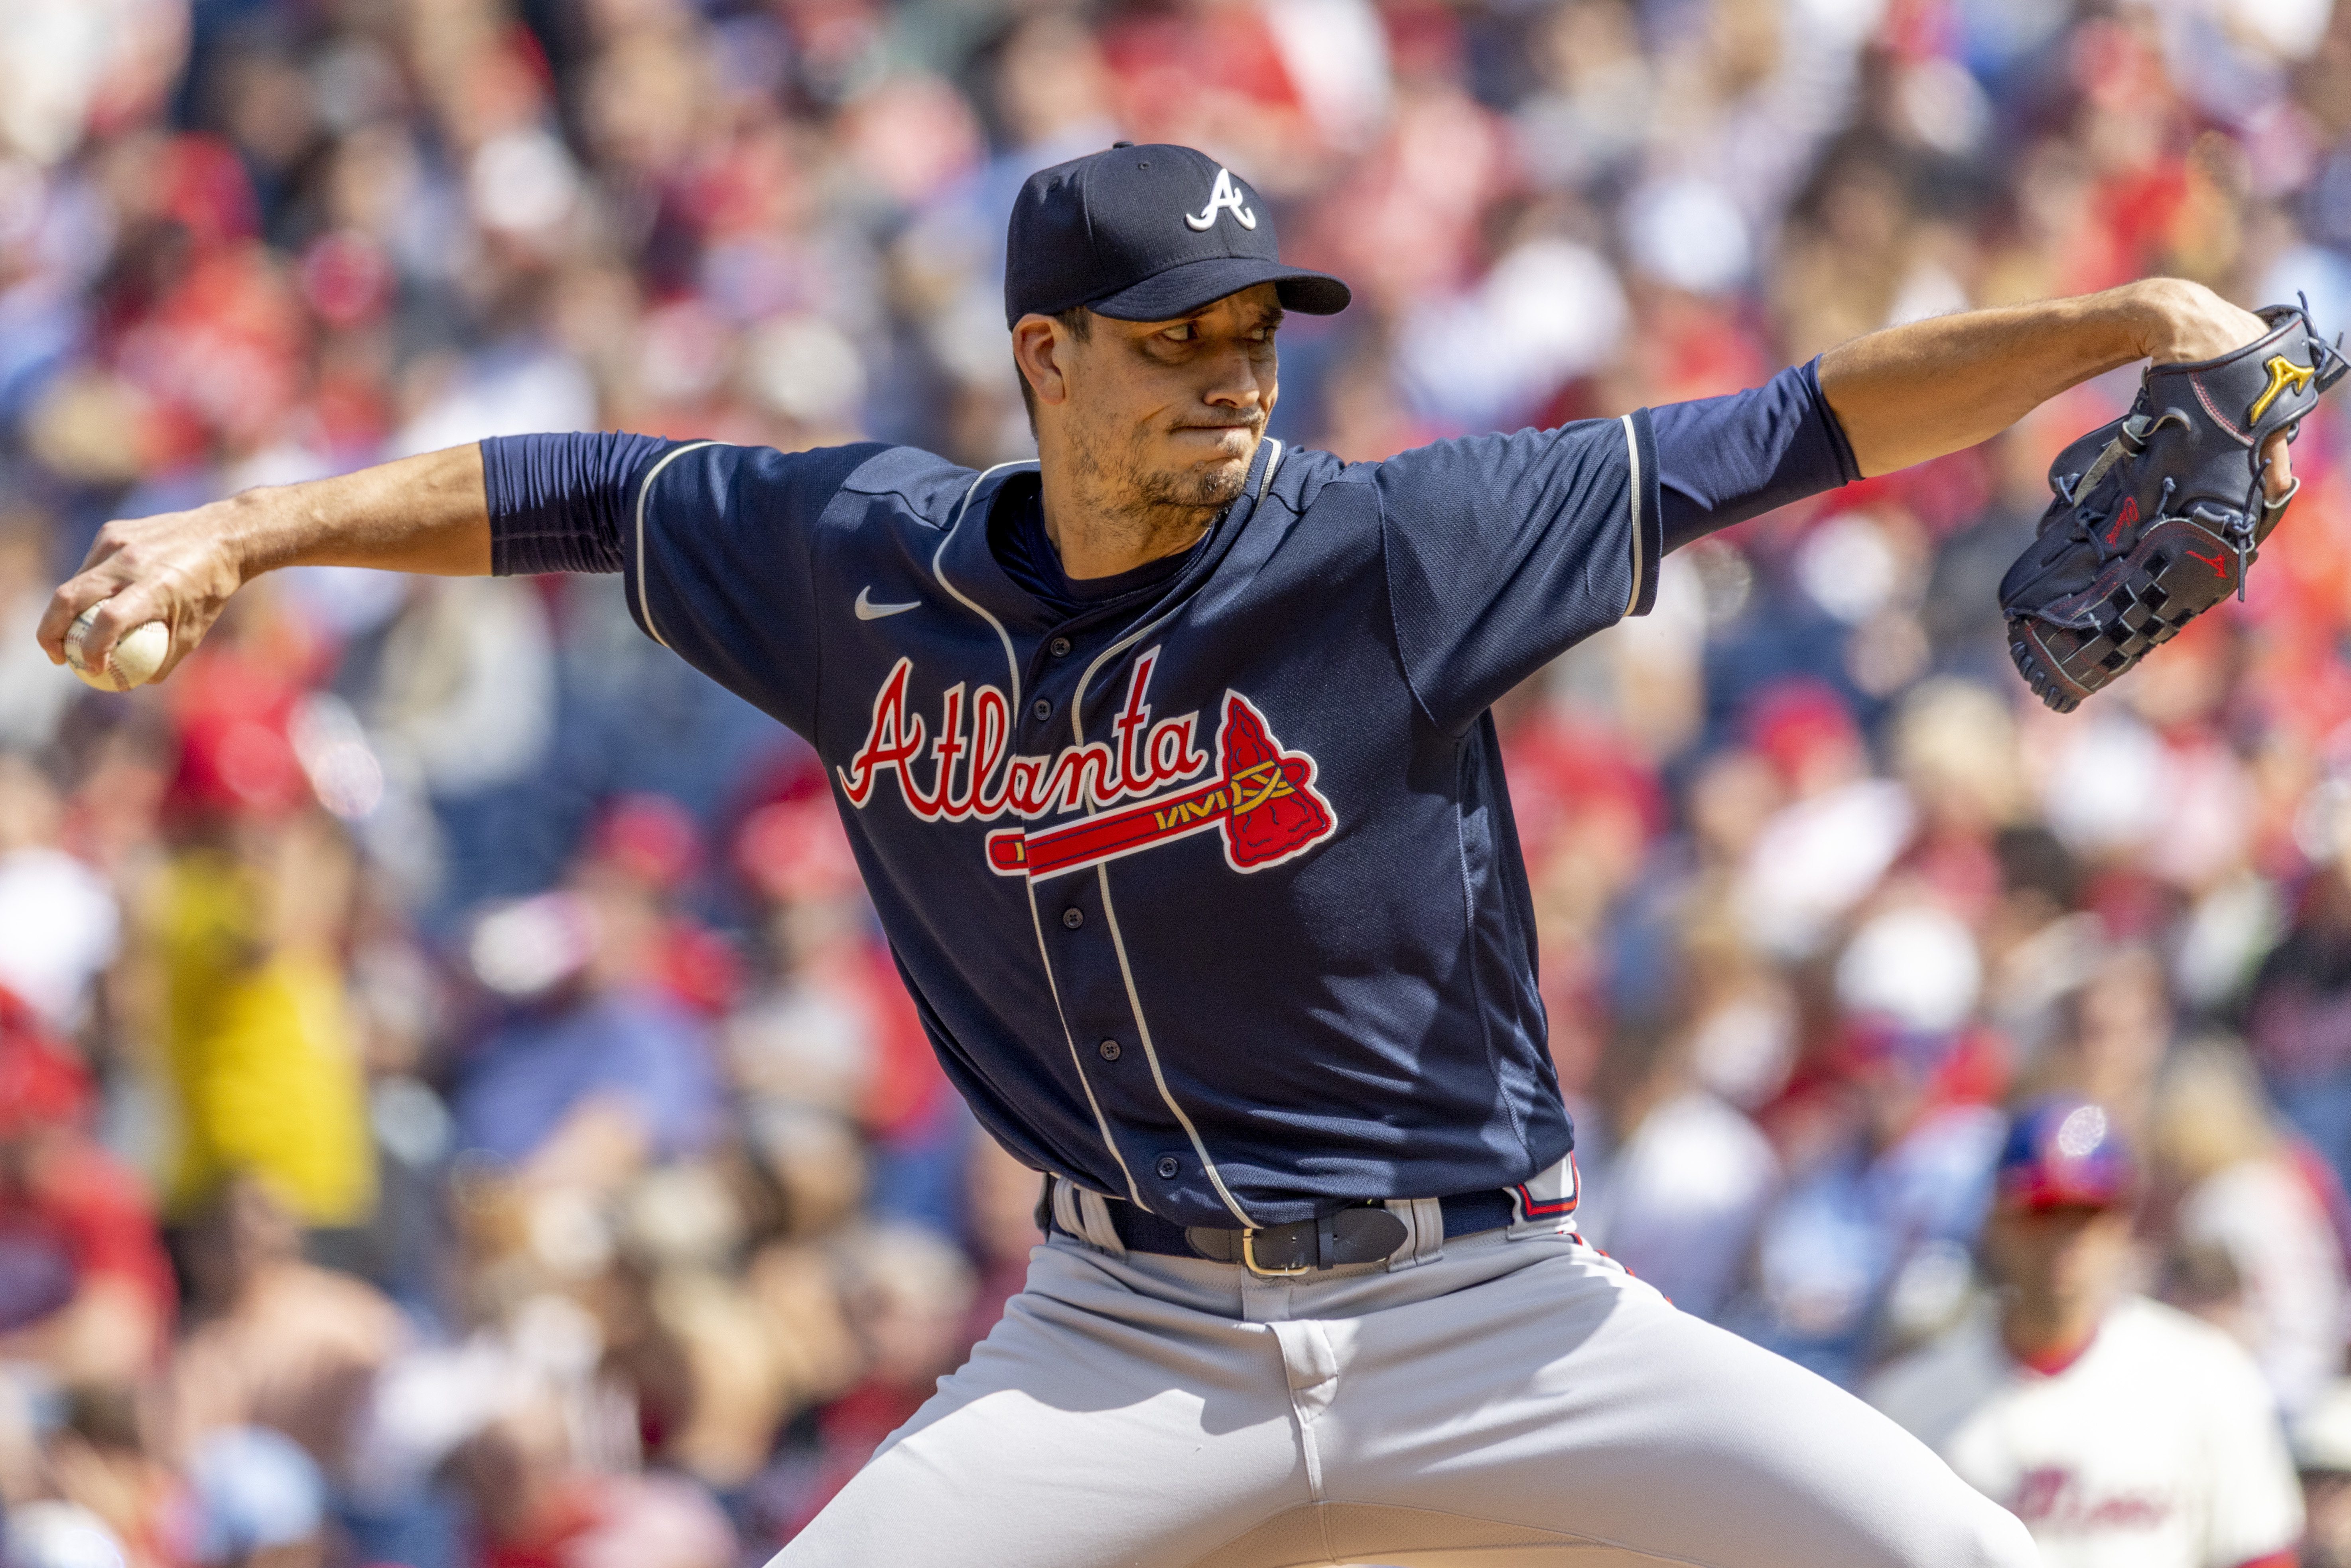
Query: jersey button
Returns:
{"type": "Point", "coordinates": [1041, 708]}
{"type": "Point", "coordinates": [1060, 646]}
{"type": "Point", "coordinates": [1109, 1050]}
{"type": "Point", "coordinates": [1074, 918]}
{"type": "Point", "coordinates": [1167, 1167]}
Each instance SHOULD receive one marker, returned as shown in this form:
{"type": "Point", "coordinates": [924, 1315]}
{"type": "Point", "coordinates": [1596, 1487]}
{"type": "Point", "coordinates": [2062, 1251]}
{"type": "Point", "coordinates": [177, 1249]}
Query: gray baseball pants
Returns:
{"type": "Point", "coordinates": [1515, 1399]}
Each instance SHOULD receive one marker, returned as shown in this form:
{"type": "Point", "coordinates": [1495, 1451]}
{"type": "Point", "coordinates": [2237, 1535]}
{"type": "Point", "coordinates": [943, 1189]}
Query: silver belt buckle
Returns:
{"type": "Point", "coordinates": [1248, 1261]}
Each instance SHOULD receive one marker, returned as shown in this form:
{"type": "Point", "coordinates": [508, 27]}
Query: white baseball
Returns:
{"type": "Point", "coordinates": [134, 659]}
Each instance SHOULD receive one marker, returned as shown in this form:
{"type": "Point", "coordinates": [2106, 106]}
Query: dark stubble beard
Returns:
{"type": "Point", "coordinates": [1151, 510]}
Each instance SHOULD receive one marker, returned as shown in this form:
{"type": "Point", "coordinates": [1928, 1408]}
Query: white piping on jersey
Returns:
{"type": "Point", "coordinates": [645, 595]}
{"type": "Point", "coordinates": [1035, 921]}
{"type": "Point", "coordinates": [1117, 941]}
{"type": "Point", "coordinates": [938, 569]}
{"type": "Point", "coordinates": [1632, 450]}
{"type": "Point", "coordinates": [1150, 1055]}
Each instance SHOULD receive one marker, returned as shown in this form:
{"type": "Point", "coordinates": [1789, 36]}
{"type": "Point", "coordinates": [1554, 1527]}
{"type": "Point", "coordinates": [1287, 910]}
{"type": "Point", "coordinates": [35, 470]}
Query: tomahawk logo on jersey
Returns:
{"type": "Point", "coordinates": [1257, 799]}
{"type": "Point", "coordinates": [1262, 802]}
{"type": "Point", "coordinates": [1263, 799]}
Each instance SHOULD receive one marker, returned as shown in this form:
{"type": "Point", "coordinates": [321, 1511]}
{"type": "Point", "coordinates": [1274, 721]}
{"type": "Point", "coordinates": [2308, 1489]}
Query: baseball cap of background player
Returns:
{"type": "Point", "coordinates": [2062, 1151]}
{"type": "Point", "coordinates": [1148, 234]}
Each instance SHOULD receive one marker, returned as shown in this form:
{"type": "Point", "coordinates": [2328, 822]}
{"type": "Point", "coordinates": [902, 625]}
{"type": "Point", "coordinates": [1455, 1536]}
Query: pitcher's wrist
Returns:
{"type": "Point", "coordinates": [252, 530]}
{"type": "Point", "coordinates": [2186, 323]}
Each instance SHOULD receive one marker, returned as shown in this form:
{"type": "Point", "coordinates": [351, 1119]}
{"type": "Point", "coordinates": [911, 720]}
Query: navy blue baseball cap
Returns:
{"type": "Point", "coordinates": [1148, 234]}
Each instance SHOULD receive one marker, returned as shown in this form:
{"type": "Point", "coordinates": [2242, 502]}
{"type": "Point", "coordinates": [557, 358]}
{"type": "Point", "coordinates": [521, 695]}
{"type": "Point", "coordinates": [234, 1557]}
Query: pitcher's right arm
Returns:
{"type": "Point", "coordinates": [426, 514]}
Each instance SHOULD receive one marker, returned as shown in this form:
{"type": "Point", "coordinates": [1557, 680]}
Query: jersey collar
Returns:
{"type": "Point", "coordinates": [970, 568]}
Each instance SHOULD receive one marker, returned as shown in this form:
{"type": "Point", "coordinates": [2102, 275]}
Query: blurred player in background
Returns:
{"type": "Point", "coordinates": [2125, 1434]}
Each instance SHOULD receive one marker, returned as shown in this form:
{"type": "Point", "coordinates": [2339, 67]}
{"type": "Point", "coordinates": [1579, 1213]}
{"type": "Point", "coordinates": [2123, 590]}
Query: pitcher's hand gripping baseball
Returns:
{"type": "Point", "coordinates": [2158, 515]}
{"type": "Point", "coordinates": [175, 572]}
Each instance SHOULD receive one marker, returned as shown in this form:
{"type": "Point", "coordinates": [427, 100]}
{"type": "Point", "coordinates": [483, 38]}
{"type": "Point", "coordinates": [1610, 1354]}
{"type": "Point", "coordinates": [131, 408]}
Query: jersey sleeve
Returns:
{"type": "Point", "coordinates": [556, 502]}
{"type": "Point", "coordinates": [718, 550]}
{"type": "Point", "coordinates": [2255, 1495]}
{"type": "Point", "coordinates": [1502, 550]}
{"type": "Point", "coordinates": [1721, 460]}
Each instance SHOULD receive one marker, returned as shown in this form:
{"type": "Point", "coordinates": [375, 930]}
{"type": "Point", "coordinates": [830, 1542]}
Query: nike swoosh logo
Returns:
{"type": "Point", "coordinates": [869, 611]}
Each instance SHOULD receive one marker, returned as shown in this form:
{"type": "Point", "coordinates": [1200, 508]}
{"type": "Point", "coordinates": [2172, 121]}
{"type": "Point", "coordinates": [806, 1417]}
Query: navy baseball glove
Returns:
{"type": "Point", "coordinates": [2158, 514]}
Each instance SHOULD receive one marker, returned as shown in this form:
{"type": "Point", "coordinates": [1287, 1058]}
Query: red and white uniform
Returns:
{"type": "Point", "coordinates": [2157, 1446]}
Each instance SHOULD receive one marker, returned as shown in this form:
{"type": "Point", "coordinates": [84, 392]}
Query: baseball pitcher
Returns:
{"type": "Point", "coordinates": [1167, 761]}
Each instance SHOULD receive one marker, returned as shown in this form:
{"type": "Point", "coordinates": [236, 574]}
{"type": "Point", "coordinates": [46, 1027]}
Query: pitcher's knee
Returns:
{"type": "Point", "coordinates": [1952, 1525]}
{"type": "Point", "coordinates": [1991, 1537]}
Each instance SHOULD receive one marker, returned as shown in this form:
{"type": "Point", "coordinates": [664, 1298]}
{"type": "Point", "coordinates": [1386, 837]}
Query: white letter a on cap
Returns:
{"type": "Point", "coordinates": [1221, 197]}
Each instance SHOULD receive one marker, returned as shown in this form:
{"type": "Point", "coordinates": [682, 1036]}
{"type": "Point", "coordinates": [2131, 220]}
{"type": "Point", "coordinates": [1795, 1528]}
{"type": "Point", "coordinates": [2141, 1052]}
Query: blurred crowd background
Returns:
{"type": "Point", "coordinates": [456, 1108]}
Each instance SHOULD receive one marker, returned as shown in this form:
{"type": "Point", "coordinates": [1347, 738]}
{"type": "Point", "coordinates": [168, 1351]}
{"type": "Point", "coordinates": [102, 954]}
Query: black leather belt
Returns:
{"type": "Point", "coordinates": [1364, 1233]}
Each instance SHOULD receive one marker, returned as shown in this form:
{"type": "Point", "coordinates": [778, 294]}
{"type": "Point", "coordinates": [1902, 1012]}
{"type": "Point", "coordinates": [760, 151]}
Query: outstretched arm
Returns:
{"type": "Point", "coordinates": [1919, 391]}
{"type": "Point", "coordinates": [428, 514]}
{"type": "Point", "coordinates": [509, 504]}
{"type": "Point", "coordinates": [719, 567]}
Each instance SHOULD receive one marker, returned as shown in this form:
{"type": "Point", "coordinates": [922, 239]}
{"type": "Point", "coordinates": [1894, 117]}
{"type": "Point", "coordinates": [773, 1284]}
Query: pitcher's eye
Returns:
{"type": "Point", "coordinates": [1182, 332]}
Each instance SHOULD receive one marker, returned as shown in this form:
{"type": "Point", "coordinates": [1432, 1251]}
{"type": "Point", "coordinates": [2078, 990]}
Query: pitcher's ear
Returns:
{"type": "Point", "coordinates": [1039, 349]}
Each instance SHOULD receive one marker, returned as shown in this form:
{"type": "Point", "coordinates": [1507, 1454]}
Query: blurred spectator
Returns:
{"type": "Point", "coordinates": [1676, 1179]}
{"type": "Point", "coordinates": [250, 919]}
{"type": "Point", "coordinates": [436, 1439]}
{"type": "Point", "coordinates": [640, 856]}
{"type": "Point", "coordinates": [2110, 1032]}
{"type": "Point", "coordinates": [537, 1505]}
{"type": "Point", "coordinates": [274, 1343]}
{"type": "Point", "coordinates": [2298, 1017]}
{"type": "Point", "coordinates": [51, 1534]}
{"type": "Point", "coordinates": [830, 1044]}
{"type": "Point", "coordinates": [2116, 1428]}
{"type": "Point", "coordinates": [2250, 1223]}
{"type": "Point", "coordinates": [103, 1458]}
{"type": "Point", "coordinates": [58, 923]}
{"type": "Point", "coordinates": [909, 1294]}
{"type": "Point", "coordinates": [594, 1073]}
{"type": "Point", "coordinates": [1866, 1248]}
{"type": "Point", "coordinates": [261, 1500]}
{"type": "Point", "coordinates": [86, 1294]}
{"type": "Point", "coordinates": [2038, 945]}
{"type": "Point", "coordinates": [34, 693]}
{"type": "Point", "coordinates": [1817, 856]}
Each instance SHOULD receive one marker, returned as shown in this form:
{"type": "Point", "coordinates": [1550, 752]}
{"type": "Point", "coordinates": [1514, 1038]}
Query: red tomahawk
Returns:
{"type": "Point", "coordinates": [1263, 800]}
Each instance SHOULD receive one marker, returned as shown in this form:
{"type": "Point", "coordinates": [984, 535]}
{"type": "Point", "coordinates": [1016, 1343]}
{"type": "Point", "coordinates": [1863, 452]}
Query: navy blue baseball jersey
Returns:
{"type": "Point", "coordinates": [1207, 891]}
